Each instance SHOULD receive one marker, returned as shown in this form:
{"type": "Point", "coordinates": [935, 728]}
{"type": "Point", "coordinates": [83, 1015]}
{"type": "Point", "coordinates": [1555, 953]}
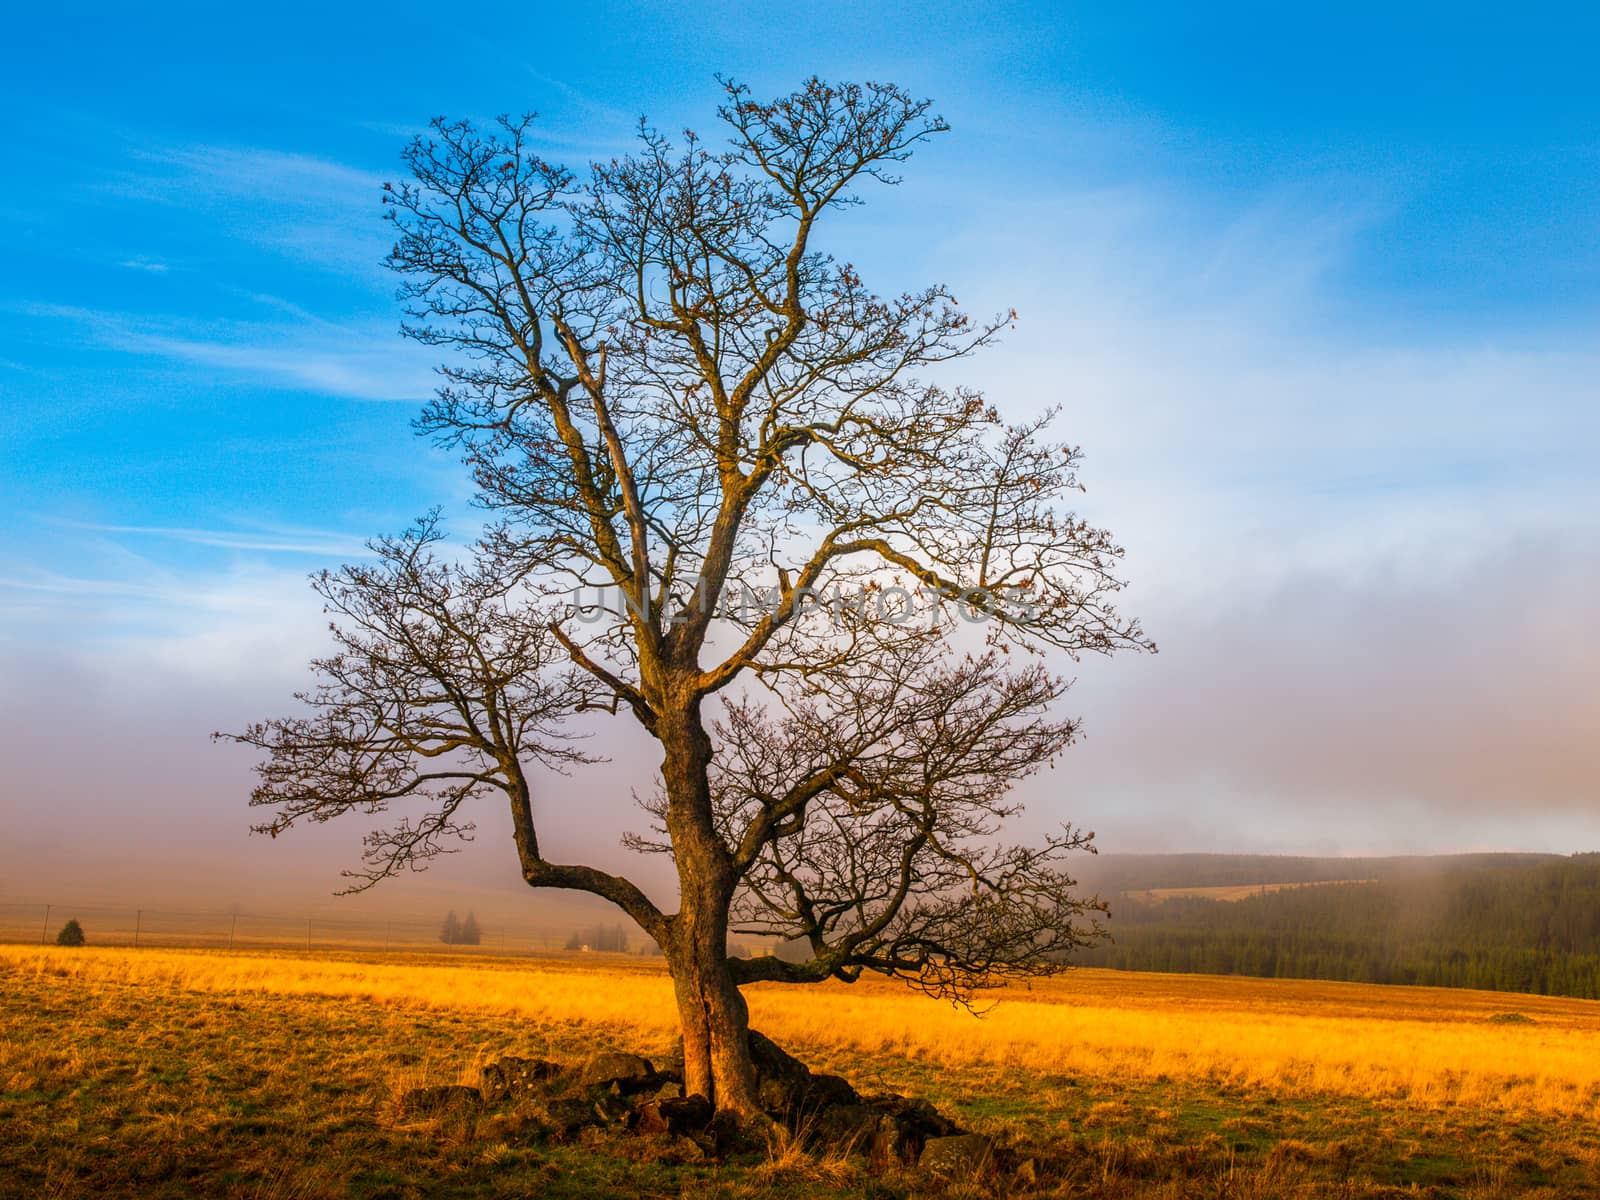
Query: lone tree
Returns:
{"type": "Point", "coordinates": [71, 934]}
{"type": "Point", "coordinates": [724, 504]}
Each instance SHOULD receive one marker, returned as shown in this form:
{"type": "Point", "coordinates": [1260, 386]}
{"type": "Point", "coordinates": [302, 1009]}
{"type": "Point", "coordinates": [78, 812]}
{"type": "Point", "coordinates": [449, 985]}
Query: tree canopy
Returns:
{"type": "Point", "coordinates": [726, 498]}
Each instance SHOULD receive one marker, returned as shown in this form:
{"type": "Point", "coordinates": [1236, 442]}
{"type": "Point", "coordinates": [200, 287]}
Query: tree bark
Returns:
{"type": "Point", "coordinates": [714, 1018]}
{"type": "Point", "coordinates": [712, 1012]}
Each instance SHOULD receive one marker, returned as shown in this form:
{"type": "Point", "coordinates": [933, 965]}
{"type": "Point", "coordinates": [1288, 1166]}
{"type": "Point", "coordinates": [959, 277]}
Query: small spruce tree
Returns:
{"type": "Point", "coordinates": [71, 934]}
{"type": "Point", "coordinates": [469, 934]}
{"type": "Point", "coordinates": [451, 933]}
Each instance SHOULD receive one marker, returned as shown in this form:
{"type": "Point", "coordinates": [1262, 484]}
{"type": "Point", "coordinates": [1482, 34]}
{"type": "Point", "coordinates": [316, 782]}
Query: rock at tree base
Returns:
{"type": "Point", "coordinates": [919, 1115]}
{"type": "Point", "coordinates": [628, 1073]}
{"type": "Point", "coordinates": [567, 1117]}
{"type": "Point", "coordinates": [435, 1101]}
{"type": "Point", "coordinates": [618, 1089]}
{"type": "Point", "coordinates": [963, 1154]}
{"type": "Point", "coordinates": [781, 1078]}
{"type": "Point", "coordinates": [846, 1127]}
{"type": "Point", "coordinates": [829, 1113]}
{"type": "Point", "coordinates": [680, 1115]}
{"type": "Point", "coordinates": [515, 1078]}
{"type": "Point", "coordinates": [888, 1129]}
{"type": "Point", "coordinates": [827, 1091]}
{"type": "Point", "coordinates": [786, 1086]}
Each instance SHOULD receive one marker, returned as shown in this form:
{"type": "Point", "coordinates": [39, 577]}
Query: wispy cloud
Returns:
{"type": "Point", "coordinates": [279, 541]}
{"type": "Point", "coordinates": [362, 371]}
{"type": "Point", "coordinates": [306, 354]}
{"type": "Point", "coordinates": [52, 583]}
{"type": "Point", "coordinates": [153, 266]}
{"type": "Point", "coordinates": [188, 619]}
{"type": "Point", "coordinates": [275, 176]}
{"type": "Point", "coordinates": [320, 212]}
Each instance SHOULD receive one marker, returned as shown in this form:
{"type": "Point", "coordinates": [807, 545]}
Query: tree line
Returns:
{"type": "Point", "coordinates": [1501, 926]}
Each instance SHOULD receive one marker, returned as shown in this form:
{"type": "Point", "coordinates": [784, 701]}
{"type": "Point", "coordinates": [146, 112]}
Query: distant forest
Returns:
{"type": "Point", "coordinates": [1515, 923]}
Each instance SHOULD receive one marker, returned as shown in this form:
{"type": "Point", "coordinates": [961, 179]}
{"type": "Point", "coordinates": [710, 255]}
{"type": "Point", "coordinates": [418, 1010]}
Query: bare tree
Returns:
{"type": "Point", "coordinates": [716, 475]}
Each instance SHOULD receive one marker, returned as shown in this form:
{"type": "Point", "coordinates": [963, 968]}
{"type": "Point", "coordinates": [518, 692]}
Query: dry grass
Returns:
{"type": "Point", "coordinates": [178, 1073]}
{"type": "Point", "coordinates": [1426, 1045]}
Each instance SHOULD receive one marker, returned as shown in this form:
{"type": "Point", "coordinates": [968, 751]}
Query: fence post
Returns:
{"type": "Point", "coordinates": [138, 921]}
{"type": "Point", "coordinates": [386, 927]}
{"type": "Point", "coordinates": [308, 934]}
{"type": "Point", "coordinates": [44, 930]}
{"type": "Point", "coordinates": [233, 926]}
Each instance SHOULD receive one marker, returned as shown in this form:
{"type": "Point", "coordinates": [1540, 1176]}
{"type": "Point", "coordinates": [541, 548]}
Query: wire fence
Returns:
{"type": "Point", "coordinates": [39, 923]}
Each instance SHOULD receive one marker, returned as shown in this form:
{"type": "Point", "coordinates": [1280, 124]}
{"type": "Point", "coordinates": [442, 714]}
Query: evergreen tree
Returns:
{"type": "Point", "coordinates": [451, 933]}
{"type": "Point", "coordinates": [1506, 923]}
{"type": "Point", "coordinates": [469, 933]}
{"type": "Point", "coordinates": [71, 934]}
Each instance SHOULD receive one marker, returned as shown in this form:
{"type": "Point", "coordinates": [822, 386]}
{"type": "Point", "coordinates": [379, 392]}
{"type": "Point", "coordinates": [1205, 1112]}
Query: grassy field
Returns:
{"type": "Point", "coordinates": [153, 1073]}
{"type": "Point", "coordinates": [1234, 891]}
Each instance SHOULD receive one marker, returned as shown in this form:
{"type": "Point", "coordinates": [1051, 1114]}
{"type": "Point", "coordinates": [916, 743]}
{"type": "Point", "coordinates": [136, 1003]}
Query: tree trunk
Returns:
{"type": "Point", "coordinates": [714, 1019]}
{"type": "Point", "coordinates": [711, 1011]}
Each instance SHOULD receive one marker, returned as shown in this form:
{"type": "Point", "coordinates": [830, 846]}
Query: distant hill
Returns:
{"type": "Point", "coordinates": [1112, 873]}
{"type": "Point", "coordinates": [1507, 922]}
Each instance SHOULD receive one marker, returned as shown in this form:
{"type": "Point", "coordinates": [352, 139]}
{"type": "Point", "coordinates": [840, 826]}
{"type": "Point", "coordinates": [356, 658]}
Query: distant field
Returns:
{"type": "Point", "coordinates": [109, 1057]}
{"type": "Point", "coordinates": [1239, 891]}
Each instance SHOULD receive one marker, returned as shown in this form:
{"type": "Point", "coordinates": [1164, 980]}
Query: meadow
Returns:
{"type": "Point", "coordinates": [1234, 892]}
{"type": "Point", "coordinates": [161, 1072]}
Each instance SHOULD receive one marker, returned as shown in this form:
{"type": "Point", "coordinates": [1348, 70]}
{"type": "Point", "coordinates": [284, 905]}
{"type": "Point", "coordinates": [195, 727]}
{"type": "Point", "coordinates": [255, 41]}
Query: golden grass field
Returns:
{"type": "Point", "coordinates": [1486, 1093]}
{"type": "Point", "coordinates": [1429, 1045]}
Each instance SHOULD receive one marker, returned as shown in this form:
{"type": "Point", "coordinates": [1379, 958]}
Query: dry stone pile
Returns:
{"type": "Point", "coordinates": [629, 1094]}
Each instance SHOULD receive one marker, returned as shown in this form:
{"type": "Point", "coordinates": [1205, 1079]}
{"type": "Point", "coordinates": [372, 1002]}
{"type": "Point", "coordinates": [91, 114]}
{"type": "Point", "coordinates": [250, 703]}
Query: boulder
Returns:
{"type": "Point", "coordinates": [827, 1091]}
{"type": "Point", "coordinates": [849, 1128]}
{"type": "Point", "coordinates": [728, 1134]}
{"type": "Point", "coordinates": [515, 1078]}
{"type": "Point", "coordinates": [885, 1138]}
{"type": "Point", "coordinates": [773, 1061]}
{"type": "Point", "coordinates": [439, 1101]}
{"type": "Point", "coordinates": [628, 1073]}
{"type": "Point", "coordinates": [671, 1067]}
{"type": "Point", "coordinates": [787, 1088]}
{"type": "Point", "coordinates": [961, 1155]}
{"type": "Point", "coordinates": [568, 1116]}
{"type": "Point", "coordinates": [916, 1114]}
{"type": "Point", "coordinates": [895, 1142]}
{"type": "Point", "coordinates": [781, 1078]}
{"type": "Point", "coordinates": [679, 1115]}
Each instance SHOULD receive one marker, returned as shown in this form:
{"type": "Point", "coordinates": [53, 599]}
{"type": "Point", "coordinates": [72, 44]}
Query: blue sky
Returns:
{"type": "Point", "coordinates": [1318, 290]}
